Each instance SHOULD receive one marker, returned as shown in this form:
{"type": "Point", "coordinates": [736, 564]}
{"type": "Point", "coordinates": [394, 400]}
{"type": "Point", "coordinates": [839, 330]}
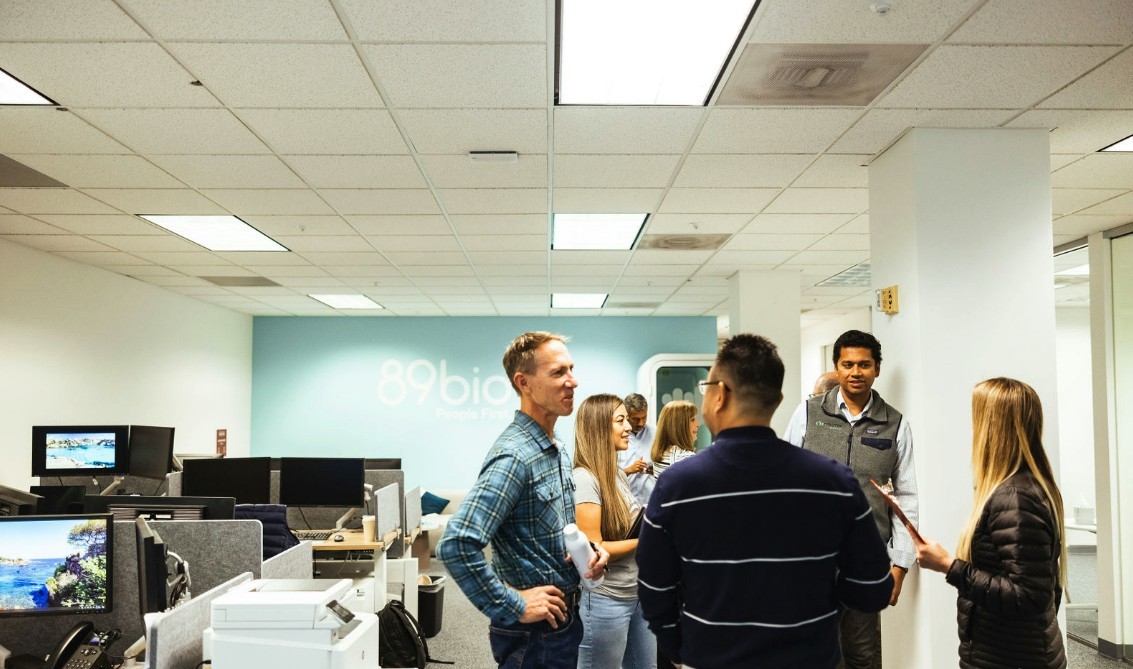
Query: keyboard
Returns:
{"type": "Point", "coordinates": [313, 535]}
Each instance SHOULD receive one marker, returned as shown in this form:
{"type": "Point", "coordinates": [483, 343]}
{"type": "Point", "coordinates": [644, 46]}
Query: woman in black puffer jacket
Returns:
{"type": "Point", "coordinates": [1010, 560]}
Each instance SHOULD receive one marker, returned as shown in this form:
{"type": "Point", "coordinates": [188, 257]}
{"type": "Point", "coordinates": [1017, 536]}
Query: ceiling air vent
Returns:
{"type": "Point", "coordinates": [683, 242]}
{"type": "Point", "coordinates": [858, 276]}
{"type": "Point", "coordinates": [240, 281]}
{"type": "Point", "coordinates": [815, 74]}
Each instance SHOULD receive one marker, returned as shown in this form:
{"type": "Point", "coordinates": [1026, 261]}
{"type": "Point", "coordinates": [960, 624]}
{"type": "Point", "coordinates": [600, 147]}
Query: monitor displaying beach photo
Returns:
{"type": "Point", "coordinates": [55, 564]}
{"type": "Point", "coordinates": [80, 450]}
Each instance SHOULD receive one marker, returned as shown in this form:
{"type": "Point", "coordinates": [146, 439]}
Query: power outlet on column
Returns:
{"type": "Point", "coordinates": [887, 300]}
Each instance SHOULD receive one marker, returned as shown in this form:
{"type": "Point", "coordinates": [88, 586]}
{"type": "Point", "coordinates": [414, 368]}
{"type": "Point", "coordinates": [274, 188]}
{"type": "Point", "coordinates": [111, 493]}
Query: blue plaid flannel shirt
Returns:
{"type": "Point", "coordinates": [520, 503]}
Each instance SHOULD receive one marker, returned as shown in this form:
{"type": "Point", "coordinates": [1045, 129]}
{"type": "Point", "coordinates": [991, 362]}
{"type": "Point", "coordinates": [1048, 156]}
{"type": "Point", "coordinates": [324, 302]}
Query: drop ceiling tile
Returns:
{"type": "Point", "coordinates": [608, 271]}
{"type": "Point", "coordinates": [881, 127]}
{"type": "Point", "coordinates": [227, 171]}
{"type": "Point", "coordinates": [856, 225]}
{"type": "Point", "coordinates": [846, 258]}
{"type": "Point", "coordinates": [1048, 22]}
{"type": "Point", "coordinates": [54, 243]}
{"type": "Point", "coordinates": [511, 275]}
{"type": "Point", "coordinates": [195, 291]}
{"type": "Point", "coordinates": [358, 171]}
{"type": "Point", "coordinates": [90, 74]}
{"type": "Point", "coordinates": [529, 171]}
{"type": "Point", "coordinates": [625, 130]}
{"type": "Point", "coordinates": [176, 131]}
{"type": "Point", "coordinates": [443, 21]}
{"type": "Point", "coordinates": [102, 258]}
{"type": "Point", "coordinates": [717, 200]}
{"type": "Point", "coordinates": [689, 224]}
{"type": "Point", "coordinates": [494, 200]}
{"type": "Point", "coordinates": [1077, 131]}
{"type": "Point", "coordinates": [51, 201]}
{"type": "Point", "coordinates": [426, 258]}
{"type": "Point", "coordinates": [400, 225]}
{"type": "Point", "coordinates": [274, 226]}
{"type": "Point", "coordinates": [500, 257]}
{"type": "Point", "coordinates": [14, 224]}
{"type": "Point", "coordinates": [1069, 200]}
{"type": "Point", "coordinates": [367, 274]}
{"type": "Point", "coordinates": [741, 171]}
{"type": "Point", "coordinates": [261, 259]}
{"type": "Point", "coordinates": [401, 243]}
{"type": "Point", "coordinates": [1060, 160]}
{"type": "Point", "coordinates": [1121, 205]}
{"type": "Point", "coordinates": [842, 242]}
{"type": "Point", "coordinates": [290, 20]}
{"type": "Point", "coordinates": [458, 131]}
{"type": "Point", "coordinates": [592, 258]}
{"type": "Point", "coordinates": [192, 261]}
{"type": "Point", "coordinates": [300, 277]}
{"type": "Point", "coordinates": [820, 200]}
{"type": "Point", "coordinates": [381, 201]}
{"type": "Point", "coordinates": [726, 262]}
{"type": "Point", "coordinates": [664, 256]}
{"type": "Point", "coordinates": [442, 276]}
{"type": "Point", "coordinates": [156, 201]}
{"type": "Point", "coordinates": [100, 171]}
{"type": "Point", "coordinates": [1024, 75]}
{"type": "Point", "coordinates": [1108, 87]}
{"type": "Point", "coordinates": [614, 171]}
{"type": "Point", "coordinates": [1099, 170]}
{"type": "Point", "coordinates": [606, 200]}
{"type": "Point", "coordinates": [1080, 225]}
{"type": "Point", "coordinates": [305, 243]}
{"type": "Point", "coordinates": [501, 224]}
{"type": "Point", "coordinates": [836, 171]}
{"type": "Point", "coordinates": [67, 20]}
{"type": "Point", "coordinates": [326, 131]}
{"type": "Point", "coordinates": [640, 270]}
{"type": "Point", "coordinates": [146, 243]}
{"type": "Point", "coordinates": [580, 284]}
{"type": "Point", "coordinates": [796, 130]}
{"type": "Point", "coordinates": [505, 242]}
{"type": "Point", "coordinates": [280, 75]}
{"type": "Point", "coordinates": [47, 130]}
{"type": "Point", "coordinates": [173, 279]}
{"type": "Point", "coordinates": [334, 261]}
{"type": "Point", "coordinates": [251, 201]}
{"type": "Point", "coordinates": [771, 242]}
{"type": "Point", "coordinates": [796, 223]}
{"type": "Point", "coordinates": [462, 75]}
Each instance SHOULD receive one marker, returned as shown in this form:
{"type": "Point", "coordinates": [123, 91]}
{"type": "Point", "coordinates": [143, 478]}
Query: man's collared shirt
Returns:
{"type": "Point", "coordinates": [640, 446]}
{"type": "Point", "coordinates": [519, 503]}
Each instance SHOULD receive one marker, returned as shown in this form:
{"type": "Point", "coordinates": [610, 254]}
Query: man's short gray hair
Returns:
{"type": "Point", "coordinates": [636, 402]}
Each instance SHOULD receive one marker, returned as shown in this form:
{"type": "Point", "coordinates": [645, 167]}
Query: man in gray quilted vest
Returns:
{"type": "Point", "coordinates": [850, 423]}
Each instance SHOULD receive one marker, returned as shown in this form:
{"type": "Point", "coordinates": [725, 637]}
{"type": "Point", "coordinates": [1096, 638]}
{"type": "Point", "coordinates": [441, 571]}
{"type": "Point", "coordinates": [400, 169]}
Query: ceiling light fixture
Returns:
{"type": "Point", "coordinates": [216, 233]}
{"type": "Point", "coordinates": [1124, 145]}
{"type": "Point", "coordinates": [347, 301]}
{"type": "Point", "coordinates": [15, 92]}
{"type": "Point", "coordinates": [645, 52]}
{"type": "Point", "coordinates": [616, 232]}
{"type": "Point", "coordinates": [578, 300]}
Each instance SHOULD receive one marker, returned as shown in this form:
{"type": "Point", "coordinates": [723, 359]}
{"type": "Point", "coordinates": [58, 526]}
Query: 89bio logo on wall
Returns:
{"type": "Point", "coordinates": [422, 382]}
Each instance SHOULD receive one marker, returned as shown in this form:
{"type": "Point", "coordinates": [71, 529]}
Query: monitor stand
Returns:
{"type": "Point", "coordinates": [353, 511]}
{"type": "Point", "coordinates": [113, 487]}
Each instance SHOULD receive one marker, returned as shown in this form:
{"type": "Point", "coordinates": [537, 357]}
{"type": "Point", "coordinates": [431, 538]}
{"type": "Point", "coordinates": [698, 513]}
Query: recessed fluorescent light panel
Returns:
{"type": "Point", "coordinates": [578, 300]}
{"type": "Point", "coordinates": [1080, 270]}
{"type": "Point", "coordinates": [645, 52]}
{"type": "Point", "coordinates": [1124, 145]}
{"type": "Point", "coordinates": [615, 232]}
{"type": "Point", "coordinates": [216, 233]}
{"type": "Point", "coordinates": [15, 92]}
{"type": "Point", "coordinates": [347, 301]}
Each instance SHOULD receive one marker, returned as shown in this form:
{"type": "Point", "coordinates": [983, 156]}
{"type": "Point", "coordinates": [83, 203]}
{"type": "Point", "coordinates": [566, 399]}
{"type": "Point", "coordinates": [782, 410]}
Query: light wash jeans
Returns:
{"type": "Point", "coordinates": [615, 634]}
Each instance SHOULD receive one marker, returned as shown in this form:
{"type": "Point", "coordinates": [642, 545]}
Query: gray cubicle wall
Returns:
{"type": "Point", "coordinates": [216, 550]}
{"type": "Point", "coordinates": [323, 518]}
{"type": "Point", "coordinates": [131, 485]}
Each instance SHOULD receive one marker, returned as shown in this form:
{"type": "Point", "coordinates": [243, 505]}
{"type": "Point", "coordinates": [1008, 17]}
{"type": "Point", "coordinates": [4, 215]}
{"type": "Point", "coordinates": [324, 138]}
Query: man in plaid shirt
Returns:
{"type": "Point", "coordinates": [520, 503]}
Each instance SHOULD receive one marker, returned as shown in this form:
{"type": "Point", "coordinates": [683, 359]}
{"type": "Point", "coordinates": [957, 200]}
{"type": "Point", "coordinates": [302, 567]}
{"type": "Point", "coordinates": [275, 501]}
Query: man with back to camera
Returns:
{"type": "Point", "coordinates": [520, 503]}
{"type": "Point", "coordinates": [635, 460]}
{"type": "Point", "coordinates": [749, 549]}
{"type": "Point", "coordinates": [853, 425]}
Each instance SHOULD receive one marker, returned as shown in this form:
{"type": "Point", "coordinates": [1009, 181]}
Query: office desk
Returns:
{"type": "Point", "coordinates": [351, 541]}
{"type": "Point", "coordinates": [371, 574]}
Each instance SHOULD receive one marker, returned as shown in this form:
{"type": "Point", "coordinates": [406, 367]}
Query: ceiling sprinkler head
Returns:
{"type": "Point", "coordinates": [880, 7]}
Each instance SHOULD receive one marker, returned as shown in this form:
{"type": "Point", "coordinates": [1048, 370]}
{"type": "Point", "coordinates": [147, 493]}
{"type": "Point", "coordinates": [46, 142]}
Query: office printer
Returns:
{"type": "Point", "coordinates": [290, 623]}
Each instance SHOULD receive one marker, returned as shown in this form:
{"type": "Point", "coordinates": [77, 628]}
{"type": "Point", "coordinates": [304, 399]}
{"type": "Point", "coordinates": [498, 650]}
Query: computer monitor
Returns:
{"type": "Point", "coordinates": [322, 482]}
{"type": "Point", "coordinates": [151, 451]}
{"type": "Point", "coordinates": [153, 573]}
{"type": "Point", "coordinates": [129, 507]}
{"type": "Point", "coordinates": [79, 450]}
{"type": "Point", "coordinates": [56, 564]}
{"type": "Point", "coordinates": [60, 499]}
{"type": "Point", "coordinates": [246, 479]}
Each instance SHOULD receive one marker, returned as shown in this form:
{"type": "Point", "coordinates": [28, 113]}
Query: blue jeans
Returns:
{"type": "Point", "coordinates": [535, 645]}
{"type": "Point", "coordinates": [616, 634]}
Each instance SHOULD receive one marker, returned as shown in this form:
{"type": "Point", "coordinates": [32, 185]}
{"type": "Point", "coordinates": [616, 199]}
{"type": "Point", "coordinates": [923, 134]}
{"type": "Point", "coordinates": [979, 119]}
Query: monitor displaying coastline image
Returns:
{"type": "Point", "coordinates": [55, 564]}
{"type": "Point", "coordinates": [80, 450]}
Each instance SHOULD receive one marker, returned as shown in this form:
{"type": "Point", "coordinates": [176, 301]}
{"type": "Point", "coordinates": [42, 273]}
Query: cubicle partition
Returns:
{"type": "Point", "coordinates": [131, 485]}
{"type": "Point", "coordinates": [216, 551]}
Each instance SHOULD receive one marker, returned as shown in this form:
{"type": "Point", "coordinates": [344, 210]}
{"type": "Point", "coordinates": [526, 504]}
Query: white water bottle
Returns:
{"type": "Point", "coordinates": [580, 553]}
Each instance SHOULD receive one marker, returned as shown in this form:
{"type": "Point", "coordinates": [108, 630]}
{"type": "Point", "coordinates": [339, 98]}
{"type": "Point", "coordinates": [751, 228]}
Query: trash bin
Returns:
{"type": "Point", "coordinates": [430, 606]}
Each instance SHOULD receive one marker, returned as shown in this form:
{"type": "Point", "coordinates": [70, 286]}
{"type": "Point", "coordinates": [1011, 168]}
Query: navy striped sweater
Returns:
{"type": "Point", "coordinates": [749, 549]}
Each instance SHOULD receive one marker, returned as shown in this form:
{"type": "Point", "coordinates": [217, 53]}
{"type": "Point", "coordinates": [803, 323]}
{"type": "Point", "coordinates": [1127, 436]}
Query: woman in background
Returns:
{"type": "Point", "coordinates": [676, 435]}
{"type": "Point", "coordinates": [1011, 560]}
{"type": "Point", "coordinates": [615, 631]}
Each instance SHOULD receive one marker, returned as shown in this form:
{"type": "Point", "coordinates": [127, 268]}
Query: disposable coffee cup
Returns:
{"type": "Point", "coordinates": [369, 525]}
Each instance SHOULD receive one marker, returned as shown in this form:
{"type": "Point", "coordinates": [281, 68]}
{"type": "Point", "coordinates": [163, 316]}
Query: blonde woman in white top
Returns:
{"type": "Point", "coordinates": [676, 435]}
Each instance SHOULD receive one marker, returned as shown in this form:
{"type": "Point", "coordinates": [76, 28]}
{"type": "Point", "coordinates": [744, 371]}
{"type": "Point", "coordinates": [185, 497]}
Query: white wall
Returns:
{"type": "Point", "coordinates": [1075, 414]}
{"type": "Point", "coordinates": [80, 345]}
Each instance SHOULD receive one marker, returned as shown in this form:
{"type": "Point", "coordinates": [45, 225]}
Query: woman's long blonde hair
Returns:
{"type": "Point", "coordinates": [672, 429]}
{"type": "Point", "coordinates": [594, 451]}
{"type": "Point", "coordinates": [1007, 427]}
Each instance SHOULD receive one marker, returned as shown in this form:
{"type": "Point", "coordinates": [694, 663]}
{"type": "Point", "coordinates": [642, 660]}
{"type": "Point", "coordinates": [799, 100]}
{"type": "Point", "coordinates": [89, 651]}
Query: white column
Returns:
{"type": "Point", "coordinates": [768, 304]}
{"type": "Point", "coordinates": [960, 221]}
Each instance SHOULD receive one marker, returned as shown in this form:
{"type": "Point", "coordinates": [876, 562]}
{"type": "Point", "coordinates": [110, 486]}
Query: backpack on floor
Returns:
{"type": "Point", "coordinates": [400, 642]}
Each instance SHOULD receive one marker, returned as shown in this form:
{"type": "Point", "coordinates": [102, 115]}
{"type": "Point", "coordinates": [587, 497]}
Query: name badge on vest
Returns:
{"type": "Point", "coordinates": [872, 431]}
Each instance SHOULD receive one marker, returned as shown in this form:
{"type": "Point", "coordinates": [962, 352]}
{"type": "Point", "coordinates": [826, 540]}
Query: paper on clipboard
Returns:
{"type": "Point", "coordinates": [892, 504]}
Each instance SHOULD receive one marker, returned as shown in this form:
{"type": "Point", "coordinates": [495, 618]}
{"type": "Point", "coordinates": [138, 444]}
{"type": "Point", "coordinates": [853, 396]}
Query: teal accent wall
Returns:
{"type": "Point", "coordinates": [431, 391]}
